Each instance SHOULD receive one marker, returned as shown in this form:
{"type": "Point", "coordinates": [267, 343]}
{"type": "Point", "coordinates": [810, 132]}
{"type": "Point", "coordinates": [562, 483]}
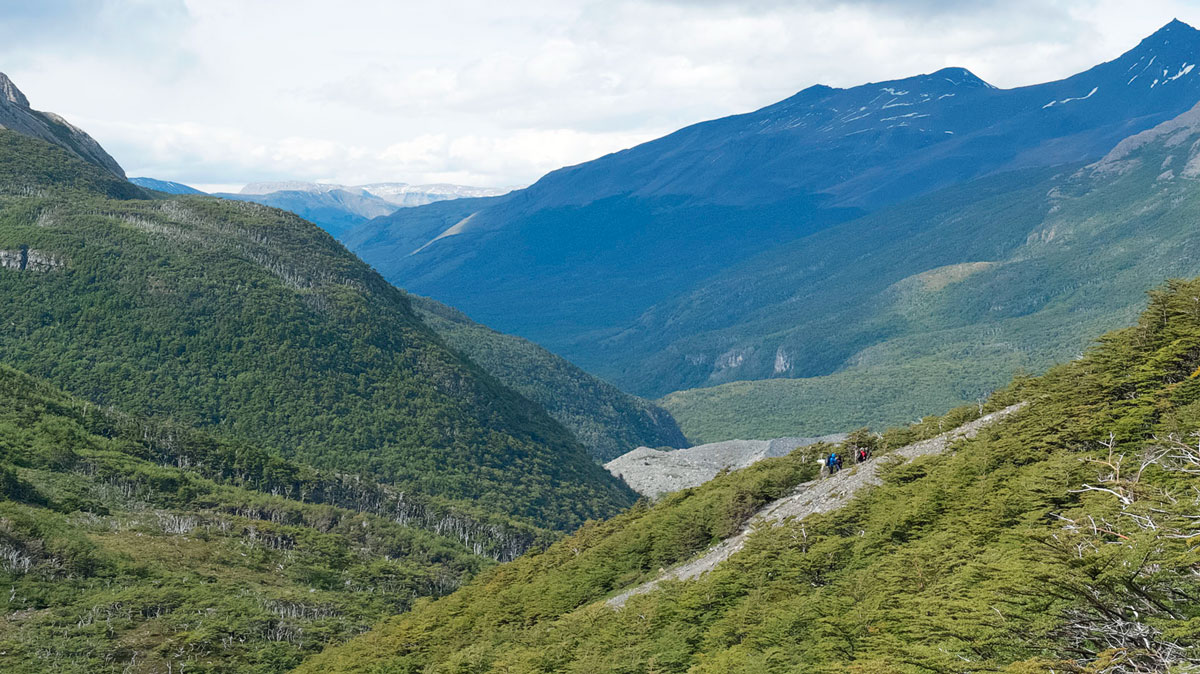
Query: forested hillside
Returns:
{"type": "Point", "coordinates": [606, 420]}
{"type": "Point", "coordinates": [133, 546]}
{"type": "Point", "coordinates": [257, 325]}
{"type": "Point", "coordinates": [1058, 539]}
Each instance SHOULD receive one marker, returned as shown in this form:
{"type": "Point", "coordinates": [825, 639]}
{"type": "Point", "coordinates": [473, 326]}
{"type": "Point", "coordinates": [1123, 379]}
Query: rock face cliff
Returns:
{"type": "Point", "coordinates": [16, 114]}
{"type": "Point", "coordinates": [25, 259]}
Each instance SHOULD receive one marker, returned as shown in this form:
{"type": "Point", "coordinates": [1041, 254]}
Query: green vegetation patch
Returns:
{"type": "Point", "coordinates": [117, 555]}
{"type": "Point", "coordinates": [1061, 538]}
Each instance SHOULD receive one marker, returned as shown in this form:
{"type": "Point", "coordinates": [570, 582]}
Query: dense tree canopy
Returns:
{"type": "Point", "coordinates": [259, 326]}
{"type": "Point", "coordinates": [1059, 539]}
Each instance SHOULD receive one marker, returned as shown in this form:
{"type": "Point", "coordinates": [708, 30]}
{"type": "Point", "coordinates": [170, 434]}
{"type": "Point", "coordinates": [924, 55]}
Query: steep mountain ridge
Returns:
{"type": "Point", "coordinates": [576, 260]}
{"type": "Point", "coordinates": [16, 114]}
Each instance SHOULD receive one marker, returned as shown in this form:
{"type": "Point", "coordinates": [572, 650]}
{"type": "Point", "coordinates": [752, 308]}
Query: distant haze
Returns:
{"type": "Point", "coordinates": [220, 93]}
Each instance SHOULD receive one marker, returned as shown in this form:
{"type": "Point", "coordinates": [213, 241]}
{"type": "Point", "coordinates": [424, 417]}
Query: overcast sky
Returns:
{"type": "Point", "coordinates": [495, 93]}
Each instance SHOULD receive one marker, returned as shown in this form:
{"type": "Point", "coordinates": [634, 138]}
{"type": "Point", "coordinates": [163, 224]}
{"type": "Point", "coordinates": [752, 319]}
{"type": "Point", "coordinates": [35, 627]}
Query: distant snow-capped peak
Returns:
{"type": "Point", "coordinates": [400, 194]}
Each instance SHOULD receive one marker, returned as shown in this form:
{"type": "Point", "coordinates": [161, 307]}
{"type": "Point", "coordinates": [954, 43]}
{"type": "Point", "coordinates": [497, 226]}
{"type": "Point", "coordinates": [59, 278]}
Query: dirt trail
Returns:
{"type": "Point", "coordinates": [817, 496]}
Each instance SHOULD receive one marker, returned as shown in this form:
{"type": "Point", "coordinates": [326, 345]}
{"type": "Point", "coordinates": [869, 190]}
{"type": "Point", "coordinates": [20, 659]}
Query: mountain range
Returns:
{"type": "Point", "coordinates": [228, 444]}
{"type": "Point", "coordinates": [164, 186]}
{"type": "Point", "coordinates": [338, 208]}
{"type": "Point", "coordinates": [685, 262]}
{"type": "Point", "coordinates": [940, 300]}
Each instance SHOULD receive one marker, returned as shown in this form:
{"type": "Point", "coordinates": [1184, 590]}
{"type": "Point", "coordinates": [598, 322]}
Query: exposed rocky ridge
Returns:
{"type": "Point", "coordinates": [654, 472]}
{"type": "Point", "coordinates": [817, 496]}
{"type": "Point", "coordinates": [16, 114]}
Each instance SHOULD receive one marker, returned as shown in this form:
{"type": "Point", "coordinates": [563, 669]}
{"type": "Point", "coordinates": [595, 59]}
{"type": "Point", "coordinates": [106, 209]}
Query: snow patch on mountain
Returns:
{"type": "Point", "coordinates": [452, 230]}
{"type": "Point", "coordinates": [1077, 98]}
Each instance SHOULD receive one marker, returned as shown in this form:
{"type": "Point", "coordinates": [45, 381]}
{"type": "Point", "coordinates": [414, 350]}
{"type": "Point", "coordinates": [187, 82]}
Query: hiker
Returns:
{"type": "Point", "coordinates": [839, 461]}
{"type": "Point", "coordinates": [831, 463]}
{"type": "Point", "coordinates": [863, 454]}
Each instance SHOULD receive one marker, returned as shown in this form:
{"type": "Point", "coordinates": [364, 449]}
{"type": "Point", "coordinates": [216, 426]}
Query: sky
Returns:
{"type": "Point", "coordinates": [219, 93]}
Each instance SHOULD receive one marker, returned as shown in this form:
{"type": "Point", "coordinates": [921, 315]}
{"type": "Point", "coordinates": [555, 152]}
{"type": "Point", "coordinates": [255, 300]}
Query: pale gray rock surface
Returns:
{"type": "Point", "coordinates": [16, 115]}
{"type": "Point", "coordinates": [653, 472]}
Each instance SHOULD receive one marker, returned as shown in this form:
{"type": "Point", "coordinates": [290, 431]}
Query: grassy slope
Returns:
{"type": "Point", "coordinates": [258, 325]}
{"type": "Point", "coordinates": [607, 421]}
{"type": "Point", "coordinates": [114, 558]}
{"type": "Point", "coordinates": [1070, 256]}
{"type": "Point", "coordinates": [994, 557]}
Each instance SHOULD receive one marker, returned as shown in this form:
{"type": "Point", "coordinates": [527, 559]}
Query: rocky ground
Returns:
{"type": "Point", "coordinates": [653, 472]}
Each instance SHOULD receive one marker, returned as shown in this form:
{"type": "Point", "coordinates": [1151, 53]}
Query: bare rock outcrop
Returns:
{"type": "Point", "coordinates": [15, 114]}
{"type": "Point", "coordinates": [653, 472]}
{"type": "Point", "coordinates": [27, 259]}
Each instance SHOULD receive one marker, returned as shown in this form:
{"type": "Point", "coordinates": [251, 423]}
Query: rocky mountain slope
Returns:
{"type": "Point", "coordinates": [1057, 538]}
{"type": "Point", "coordinates": [594, 260]}
{"type": "Point", "coordinates": [15, 114]}
{"type": "Point", "coordinates": [821, 495]}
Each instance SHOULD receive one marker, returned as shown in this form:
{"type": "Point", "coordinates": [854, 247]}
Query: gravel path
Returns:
{"type": "Point", "coordinates": [817, 496]}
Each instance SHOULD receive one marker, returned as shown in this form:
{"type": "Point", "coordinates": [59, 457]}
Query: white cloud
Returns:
{"type": "Point", "coordinates": [230, 91]}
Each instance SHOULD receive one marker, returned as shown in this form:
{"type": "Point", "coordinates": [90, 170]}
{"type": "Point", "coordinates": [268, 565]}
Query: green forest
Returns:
{"type": "Point", "coordinates": [606, 420]}
{"type": "Point", "coordinates": [1060, 539]}
{"type": "Point", "coordinates": [126, 544]}
{"type": "Point", "coordinates": [258, 326]}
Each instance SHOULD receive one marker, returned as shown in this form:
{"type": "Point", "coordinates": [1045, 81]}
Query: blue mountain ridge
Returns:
{"type": "Point", "coordinates": [165, 186]}
{"type": "Point", "coordinates": [575, 259]}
